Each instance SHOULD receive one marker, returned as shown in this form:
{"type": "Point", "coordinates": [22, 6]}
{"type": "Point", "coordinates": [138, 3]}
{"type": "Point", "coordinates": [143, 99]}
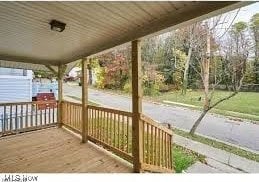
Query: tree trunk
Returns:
{"type": "Point", "coordinates": [186, 70]}
{"type": "Point", "coordinates": [90, 76]}
{"type": "Point", "coordinates": [198, 121]}
{"type": "Point", "coordinates": [206, 73]}
{"type": "Point", "coordinates": [90, 72]}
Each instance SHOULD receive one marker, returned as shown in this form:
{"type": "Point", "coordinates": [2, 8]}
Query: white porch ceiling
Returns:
{"type": "Point", "coordinates": [92, 27]}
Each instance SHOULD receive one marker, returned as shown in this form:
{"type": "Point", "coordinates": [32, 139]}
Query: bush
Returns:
{"type": "Point", "coordinates": [127, 87]}
{"type": "Point", "coordinates": [152, 82]}
{"type": "Point", "coordinates": [151, 89]}
{"type": "Point", "coordinates": [100, 74]}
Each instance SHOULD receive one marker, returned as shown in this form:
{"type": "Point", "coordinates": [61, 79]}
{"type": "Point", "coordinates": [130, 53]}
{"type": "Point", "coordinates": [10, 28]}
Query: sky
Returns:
{"type": "Point", "coordinates": [247, 12]}
{"type": "Point", "coordinates": [244, 14]}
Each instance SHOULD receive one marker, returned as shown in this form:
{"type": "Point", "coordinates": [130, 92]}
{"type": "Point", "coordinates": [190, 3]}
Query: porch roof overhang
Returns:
{"type": "Point", "coordinates": [91, 27]}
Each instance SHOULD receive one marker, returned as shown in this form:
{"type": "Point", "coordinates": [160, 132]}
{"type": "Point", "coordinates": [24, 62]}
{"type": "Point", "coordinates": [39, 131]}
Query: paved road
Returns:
{"type": "Point", "coordinates": [243, 134]}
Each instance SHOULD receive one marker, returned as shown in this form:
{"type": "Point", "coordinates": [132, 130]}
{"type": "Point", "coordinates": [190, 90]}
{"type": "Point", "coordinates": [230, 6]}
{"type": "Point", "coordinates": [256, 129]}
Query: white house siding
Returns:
{"type": "Point", "coordinates": [16, 88]}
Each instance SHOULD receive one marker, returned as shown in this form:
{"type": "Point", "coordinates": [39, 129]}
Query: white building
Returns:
{"type": "Point", "coordinates": [15, 85]}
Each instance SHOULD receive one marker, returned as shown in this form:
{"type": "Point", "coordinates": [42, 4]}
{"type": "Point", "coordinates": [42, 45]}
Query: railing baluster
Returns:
{"type": "Point", "coordinates": [152, 145]}
{"type": "Point", "coordinates": [45, 114]}
{"type": "Point", "coordinates": [49, 115]}
{"type": "Point", "coordinates": [89, 120]}
{"type": "Point", "coordinates": [168, 152]}
{"type": "Point", "coordinates": [123, 132]}
{"type": "Point", "coordinates": [26, 117]}
{"type": "Point", "coordinates": [93, 122]}
{"type": "Point", "coordinates": [144, 147]}
{"type": "Point", "coordinates": [163, 149]}
{"type": "Point", "coordinates": [148, 151]}
{"type": "Point", "coordinates": [118, 116]}
{"type": "Point", "coordinates": [78, 117]}
{"type": "Point", "coordinates": [104, 130]}
{"type": "Point", "coordinates": [16, 118]}
{"type": "Point", "coordinates": [159, 148]}
{"type": "Point", "coordinates": [114, 130]}
{"type": "Point", "coordinates": [36, 107]}
{"type": "Point", "coordinates": [111, 126]}
{"type": "Point", "coordinates": [98, 124]}
{"type": "Point", "coordinates": [53, 114]}
{"type": "Point", "coordinates": [101, 125]}
{"type": "Point", "coordinates": [107, 127]}
{"type": "Point", "coordinates": [31, 120]}
{"type": "Point", "coordinates": [155, 160]}
{"type": "Point", "coordinates": [73, 124]}
{"type": "Point", "coordinates": [74, 117]}
{"type": "Point", "coordinates": [21, 121]}
{"type": "Point", "coordinates": [70, 112]}
{"type": "Point", "coordinates": [127, 134]}
{"type": "Point", "coordinates": [4, 122]}
{"type": "Point", "coordinates": [11, 121]}
{"type": "Point", "coordinates": [41, 117]}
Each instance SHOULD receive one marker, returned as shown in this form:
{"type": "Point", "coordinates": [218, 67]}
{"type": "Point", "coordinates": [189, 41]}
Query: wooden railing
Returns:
{"type": "Point", "coordinates": [72, 116]}
{"type": "Point", "coordinates": [112, 129]}
{"type": "Point", "coordinates": [109, 128]}
{"type": "Point", "coordinates": [157, 146]}
{"type": "Point", "coordinates": [27, 116]}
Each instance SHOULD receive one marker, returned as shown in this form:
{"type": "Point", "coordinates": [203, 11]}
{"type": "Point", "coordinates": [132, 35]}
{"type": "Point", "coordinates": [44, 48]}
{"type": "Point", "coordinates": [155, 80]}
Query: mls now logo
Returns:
{"type": "Point", "coordinates": [19, 178]}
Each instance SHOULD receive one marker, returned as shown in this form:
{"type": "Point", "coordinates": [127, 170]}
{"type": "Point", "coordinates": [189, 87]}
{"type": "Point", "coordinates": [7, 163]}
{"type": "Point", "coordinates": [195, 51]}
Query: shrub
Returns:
{"type": "Point", "coordinates": [100, 74]}
{"type": "Point", "coordinates": [152, 81]}
{"type": "Point", "coordinates": [127, 87]}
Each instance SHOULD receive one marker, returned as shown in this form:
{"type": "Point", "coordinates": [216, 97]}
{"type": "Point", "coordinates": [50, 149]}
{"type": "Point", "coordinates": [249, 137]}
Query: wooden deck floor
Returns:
{"type": "Point", "coordinates": [55, 151]}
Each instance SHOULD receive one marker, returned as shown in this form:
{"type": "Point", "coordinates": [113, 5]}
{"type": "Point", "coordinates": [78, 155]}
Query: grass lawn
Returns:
{"type": "Point", "coordinates": [219, 145]}
{"type": "Point", "coordinates": [183, 158]}
{"type": "Point", "coordinates": [244, 104]}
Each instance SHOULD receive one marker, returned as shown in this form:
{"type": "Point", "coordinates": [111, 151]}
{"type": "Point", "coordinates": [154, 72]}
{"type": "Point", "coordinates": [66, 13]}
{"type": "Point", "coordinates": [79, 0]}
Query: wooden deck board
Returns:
{"type": "Point", "coordinates": [52, 151]}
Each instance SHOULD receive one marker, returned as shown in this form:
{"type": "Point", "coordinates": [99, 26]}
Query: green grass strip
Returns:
{"type": "Point", "coordinates": [235, 150]}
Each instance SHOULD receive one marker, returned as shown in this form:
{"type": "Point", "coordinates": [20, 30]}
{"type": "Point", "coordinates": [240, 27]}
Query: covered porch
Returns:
{"type": "Point", "coordinates": [62, 136]}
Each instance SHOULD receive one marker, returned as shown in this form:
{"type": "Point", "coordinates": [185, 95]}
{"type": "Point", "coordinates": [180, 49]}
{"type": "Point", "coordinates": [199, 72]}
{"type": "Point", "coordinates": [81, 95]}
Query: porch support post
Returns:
{"type": "Point", "coordinates": [137, 126]}
{"type": "Point", "coordinates": [61, 71]}
{"type": "Point", "coordinates": [84, 83]}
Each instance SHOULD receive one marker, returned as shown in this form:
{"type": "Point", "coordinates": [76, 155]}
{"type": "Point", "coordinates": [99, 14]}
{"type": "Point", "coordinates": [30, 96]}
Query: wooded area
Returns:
{"type": "Point", "coordinates": [208, 55]}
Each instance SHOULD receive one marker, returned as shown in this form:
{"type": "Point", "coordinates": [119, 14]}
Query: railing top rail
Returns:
{"type": "Point", "coordinates": [126, 113]}
{"type": "Point", "coordinates": [110, 110]}
{"type": "Point", "coordinates": [31, 102]}
{"type": "Point", "coordinates": [156, 124]}
{"type": "Point", "coordinates": [72, 103]}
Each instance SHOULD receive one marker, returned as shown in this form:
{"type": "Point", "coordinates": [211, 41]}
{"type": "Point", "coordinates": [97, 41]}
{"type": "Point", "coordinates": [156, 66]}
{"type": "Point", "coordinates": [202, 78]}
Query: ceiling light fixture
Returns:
{"type": "Point", "coordinates": [57, 26]}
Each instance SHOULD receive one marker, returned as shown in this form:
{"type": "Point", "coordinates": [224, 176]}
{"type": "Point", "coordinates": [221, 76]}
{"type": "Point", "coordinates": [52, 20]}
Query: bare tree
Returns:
{"type": "Point", "coordinates": [236, 54]}
{"type": "Point", "coordinates": [188, 59]}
